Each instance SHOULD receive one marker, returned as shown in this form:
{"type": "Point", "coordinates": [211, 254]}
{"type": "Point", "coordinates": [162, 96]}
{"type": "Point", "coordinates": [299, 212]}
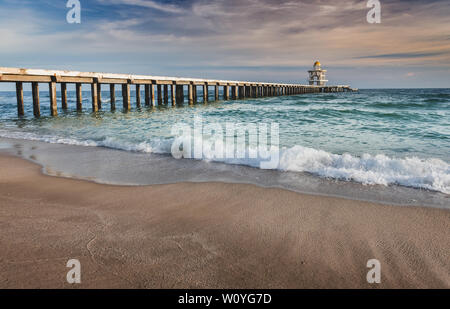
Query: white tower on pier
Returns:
{"type": "Point", "coordinates": [317, 76]}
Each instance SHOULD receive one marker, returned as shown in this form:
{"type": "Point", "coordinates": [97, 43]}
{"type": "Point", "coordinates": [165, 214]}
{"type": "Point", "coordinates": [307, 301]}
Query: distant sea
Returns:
{"type": "Point", "coordinates": [395, 137]}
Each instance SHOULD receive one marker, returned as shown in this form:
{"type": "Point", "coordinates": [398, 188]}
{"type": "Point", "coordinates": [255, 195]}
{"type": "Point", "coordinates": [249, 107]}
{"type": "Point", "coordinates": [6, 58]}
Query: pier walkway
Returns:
{"type": "Point", "coordinates": [158, 89]}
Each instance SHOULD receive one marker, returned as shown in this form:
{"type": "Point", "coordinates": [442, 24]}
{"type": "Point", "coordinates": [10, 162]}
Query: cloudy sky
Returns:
{"type": "Point", "coordinates": [260, 40]}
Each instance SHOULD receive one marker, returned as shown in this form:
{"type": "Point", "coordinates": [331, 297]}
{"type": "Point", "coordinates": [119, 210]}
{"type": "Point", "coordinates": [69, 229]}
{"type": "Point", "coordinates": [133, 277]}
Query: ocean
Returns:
{"type": "Point", "coordinates": [388, 138]}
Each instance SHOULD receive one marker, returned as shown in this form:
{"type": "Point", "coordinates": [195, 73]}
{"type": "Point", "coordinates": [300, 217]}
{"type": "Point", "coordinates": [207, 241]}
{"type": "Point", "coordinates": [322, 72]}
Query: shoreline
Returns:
{"type": "Point", "coordinates": [111, 166]}
{"type": "Point", "coordinates": [208, 235]}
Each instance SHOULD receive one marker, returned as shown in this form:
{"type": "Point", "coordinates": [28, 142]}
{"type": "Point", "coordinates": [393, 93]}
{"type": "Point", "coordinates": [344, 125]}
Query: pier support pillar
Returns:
{"type": "Point", "coordinates": [194, 93]}
{"type": "Point", "coordinates": [126, 96]}
{"type": "Point", "coordinates": [241, 92]}
{"type": "Point", "coordinates": [234, 92]}
{"type": "Point", "coordinates": [99, 96]}
{"type": "Point", "coordinates": [52, 96]}
{"type": "Point", "coordinates": [36, 106]}
{"type": "Point", "coordinates": [191, 94]}
{"type": "Point", "coordinates": [64, 96]}
{"type": "Point", "coordinates": [79, 92]}
{"type": "Point", "coordinates": [205, 93]}
{"type": "Point", "coordinates": [216, 93]}
{"type": "Point", "coordinates": [138, 96]}
{"type": "Point", "coordinates": [112, 96]}
{"type": "Point", "coordinates": [152, 95]}
{"type": "Point", "coordinates": [159, 90]}
{"type": "Point", "coordinates": [180, 94]}
{"type": "Point", "coordinates": [166, 94]}
{"type": "Point", "coordinates": [19, 95]}
{"type": "Point", "coordinates": [147, 95]}
{"type": "Point", "coordinates": [94, 95]}
{"type": "Point", "coordinates": [226, 92]}
{"type": "Point", "coordinates": [173, 94]}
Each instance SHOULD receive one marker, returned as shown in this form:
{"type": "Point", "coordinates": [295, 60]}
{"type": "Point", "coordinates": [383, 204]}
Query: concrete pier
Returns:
{"type": "Point", "coordinates": [238, 89]}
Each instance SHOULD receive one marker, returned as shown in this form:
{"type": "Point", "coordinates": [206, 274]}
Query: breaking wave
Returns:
{"type": "Point", "coordinates": [431, 174]}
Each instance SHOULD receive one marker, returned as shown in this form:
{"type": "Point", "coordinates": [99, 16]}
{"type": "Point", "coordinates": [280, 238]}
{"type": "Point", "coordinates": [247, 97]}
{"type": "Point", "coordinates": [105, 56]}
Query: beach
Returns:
{"type": "Point", "coordinates": [208, 235]}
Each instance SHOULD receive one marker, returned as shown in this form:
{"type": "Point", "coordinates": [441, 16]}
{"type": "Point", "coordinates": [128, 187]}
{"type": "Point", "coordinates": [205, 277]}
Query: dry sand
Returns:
{"type": "Point", "coordinates": [210, 235]}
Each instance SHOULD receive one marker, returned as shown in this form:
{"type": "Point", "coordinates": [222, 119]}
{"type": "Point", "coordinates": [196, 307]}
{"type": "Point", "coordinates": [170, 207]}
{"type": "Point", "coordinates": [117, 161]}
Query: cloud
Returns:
{"type": "Point", "coordinates": [240, 37]}
{"type": "Point", "coordinates": [160, 6]}
{"type": "Point", "coordinates": [406, 55]}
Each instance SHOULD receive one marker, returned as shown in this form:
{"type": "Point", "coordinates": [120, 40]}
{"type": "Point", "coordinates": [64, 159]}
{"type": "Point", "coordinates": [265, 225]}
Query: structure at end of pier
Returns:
{"type": "Point", "coordinates": [317, 76]}
{"type": "Point", "coordinates": [156, 88]}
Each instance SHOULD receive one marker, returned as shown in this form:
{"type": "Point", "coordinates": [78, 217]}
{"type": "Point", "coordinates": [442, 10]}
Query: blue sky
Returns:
{"type": "Point", "coordinates": [259, 40]}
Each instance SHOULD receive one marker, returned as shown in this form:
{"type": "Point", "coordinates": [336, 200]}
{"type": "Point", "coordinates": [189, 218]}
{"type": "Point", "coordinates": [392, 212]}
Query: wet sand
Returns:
{"type": "Point", "coordinates": [209, 235]}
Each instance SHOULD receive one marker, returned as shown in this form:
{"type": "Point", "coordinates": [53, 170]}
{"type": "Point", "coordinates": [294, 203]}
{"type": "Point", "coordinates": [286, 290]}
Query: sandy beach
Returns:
{"type": "Point", "coordinates": [209, 235]}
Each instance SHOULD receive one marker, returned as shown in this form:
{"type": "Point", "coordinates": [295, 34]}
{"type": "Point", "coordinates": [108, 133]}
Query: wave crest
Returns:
{"type": "Point", "coordinates": [432, 174]}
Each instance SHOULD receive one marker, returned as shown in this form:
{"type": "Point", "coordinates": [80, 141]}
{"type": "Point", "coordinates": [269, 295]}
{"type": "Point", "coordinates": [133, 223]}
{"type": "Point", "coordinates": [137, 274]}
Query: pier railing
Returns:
{"type": "Point", "coordinates": [156, 88]}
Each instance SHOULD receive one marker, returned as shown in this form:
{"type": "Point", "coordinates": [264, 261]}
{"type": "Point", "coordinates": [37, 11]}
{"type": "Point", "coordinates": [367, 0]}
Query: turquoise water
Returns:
{"type": "Point", "coordinates": [382, 137]}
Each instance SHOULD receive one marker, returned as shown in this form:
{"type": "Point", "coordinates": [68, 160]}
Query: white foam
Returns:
{"type": "Point", "coordinates": [432, 174]}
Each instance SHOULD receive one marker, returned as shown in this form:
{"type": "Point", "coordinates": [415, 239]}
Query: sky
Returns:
{"type": "Point", "coordinates": [252, 40]}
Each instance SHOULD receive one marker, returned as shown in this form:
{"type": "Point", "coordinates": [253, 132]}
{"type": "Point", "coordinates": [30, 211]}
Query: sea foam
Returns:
{"type": "Point", "coordinates": [432, 174]}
